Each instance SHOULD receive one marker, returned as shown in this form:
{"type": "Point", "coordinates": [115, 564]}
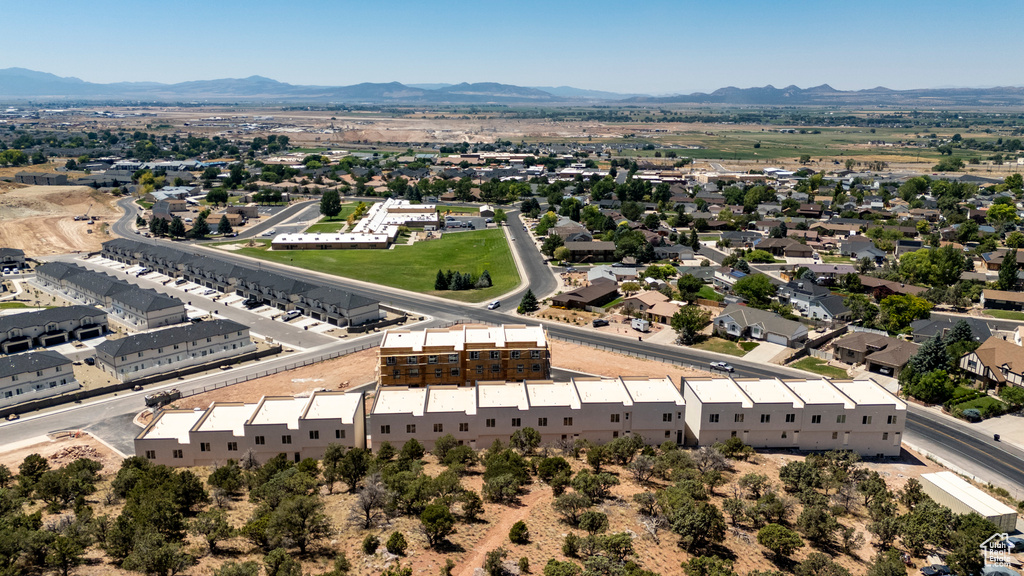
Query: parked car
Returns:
{"type": "Point", "coordinates": [598, 322]}
{"type": "Point", "coordinates": [179, 281]}
{"type": "Point", "coordinates": [209, 292]}
{"type": "Point", "coordinates": [251, 303]}
{"type": "Point", "coordinates": [935, 570]}
{"type": "Point", "coordinates": [494, 305]}
{"type": "Point", "coordinates": [90, 361]}
{"type": "Point", "coordinates": [723, 366]}
{"type": "Point", "coordinates": [291, 314]}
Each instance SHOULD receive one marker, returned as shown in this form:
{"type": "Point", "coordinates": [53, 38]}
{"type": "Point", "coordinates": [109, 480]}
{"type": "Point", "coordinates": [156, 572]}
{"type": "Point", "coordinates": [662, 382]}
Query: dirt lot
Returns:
{"type": "Point", "coordinates": [40, 219]}
{"type": "Point", "coordinates": [64, 450]}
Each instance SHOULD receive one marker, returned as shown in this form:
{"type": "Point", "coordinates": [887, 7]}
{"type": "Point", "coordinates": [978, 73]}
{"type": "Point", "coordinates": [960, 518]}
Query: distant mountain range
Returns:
{"type": "Point", "coordinates": [23, 84]}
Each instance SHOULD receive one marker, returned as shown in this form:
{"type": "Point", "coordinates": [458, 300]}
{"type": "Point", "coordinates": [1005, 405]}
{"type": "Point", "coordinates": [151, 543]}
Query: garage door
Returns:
{"type": "Point", "coordinates": [776, 339]}
{"type": "Point", "coordinates": [53, 340]}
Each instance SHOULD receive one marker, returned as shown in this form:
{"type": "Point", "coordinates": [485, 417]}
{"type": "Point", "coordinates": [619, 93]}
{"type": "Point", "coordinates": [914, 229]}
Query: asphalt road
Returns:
{"type": "Point", "coordinates": [994, 462]}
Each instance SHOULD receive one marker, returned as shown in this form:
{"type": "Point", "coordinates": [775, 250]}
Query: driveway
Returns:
{"type": "Point", "coordinates": [764, 353]}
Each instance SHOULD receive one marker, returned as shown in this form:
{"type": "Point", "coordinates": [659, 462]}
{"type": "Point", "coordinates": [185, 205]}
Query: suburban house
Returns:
{"type": "Point", "coordinates": [170, 349]}
{"type": "Point", "coordinates": [883, 288]}
{"type": "Point", "coordinates": [726, 277]}
{"type": "Point", "coordinates": [1002, 300]}
{"type": "Point", "coordinates": [595, 409]}
{"type": "Point", "coordinates": [994, 260]}
{"type": "Point", "coordinates": [813, 301]}
{"type": "Point", "coordinates": [995, 363]}
{"type": "Point", "coordinates": [784, 247]}
{"type": "Point", "coordinates": [591, 251]}
{"type": "Point", "coordinates": [12, 258]}
{"type": "Point", "coordinates": [615, 273]}
{"type": "Point", "coordinates": [881, 354]}
{"type": "Point", "coordinates": [926, 329]}
{"type": "Point", "coordinates": [662, 312]}
{"type": "Point", "coordinates": [599, 293]}
{"type": "Point", "coordinates": [643, 301]}
{"type": "Point", "coordinates": [35, 375]}
{"type": "Point", "coordinates": [463, 355]}
{"type": "Point", "coordinates": [300, 427]}
{"type": "Point", "coordinates": [50, 327]}
{"type": "Point", "coordinates": [740, 321]}
{"type": "Point", "coordinates": [571, 232]}
{"type": "Point", "coordinates": [809, 415]}
{"type": "Point", "coordinates": [675, 252]}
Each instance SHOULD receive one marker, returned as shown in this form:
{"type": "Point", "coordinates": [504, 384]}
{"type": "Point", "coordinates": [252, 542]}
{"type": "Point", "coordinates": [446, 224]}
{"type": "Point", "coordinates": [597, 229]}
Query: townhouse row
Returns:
{"type": "Point", "coordinates": [803, 415]}
{"type": "Point", "coordinates": [325, 304]}
{"type": "Point", "coordinates": [50, 327]}
{"type": "Point", "coordinates": [35, 375]}
{"type": "Point", "coordinates": [134, 307]}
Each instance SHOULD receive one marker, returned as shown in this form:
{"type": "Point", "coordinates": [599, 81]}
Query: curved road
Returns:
{"type": "Point", "coordinates": [996, 462]}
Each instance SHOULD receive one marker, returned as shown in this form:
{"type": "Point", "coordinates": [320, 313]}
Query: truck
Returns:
{"type": "Point", "coordinates": [163, 397]}
{"type": "Point", "coordinates": [640, 324]}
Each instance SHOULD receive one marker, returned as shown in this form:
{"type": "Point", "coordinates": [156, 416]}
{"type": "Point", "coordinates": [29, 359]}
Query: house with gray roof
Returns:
{"type": "Point", "coordinates": [170, 349]}
{"type": "Point", "coordinates": [926, 329]}
{"type": "Point", "coordinates": [50, 327]}
{"type": "Point", "coordinates": [740, 321]}
{"type": "Point", "coordinates": [12, 258]}
{"type": "Point", "coordinates": [35, 375]}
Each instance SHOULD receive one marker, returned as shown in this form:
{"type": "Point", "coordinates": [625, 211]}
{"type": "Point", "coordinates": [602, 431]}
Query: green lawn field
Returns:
{"type": "Point", "coordinates": [414, 267]}
{"type": "Point", "coordinates": [328, 225]}
{"type": "Point", "coordinates": [819, 366]}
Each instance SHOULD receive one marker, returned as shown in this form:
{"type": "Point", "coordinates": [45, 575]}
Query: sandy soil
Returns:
{"type": "Point", "coordinates": [40, 219]}
{"type": "Point", "coordinates": [586, 359]}
{"type": "Point", "coordinates": [62, 451]}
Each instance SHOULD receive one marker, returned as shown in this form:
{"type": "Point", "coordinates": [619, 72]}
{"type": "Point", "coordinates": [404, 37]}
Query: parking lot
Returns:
{"type": "Point", "coordinates": [202, 302]}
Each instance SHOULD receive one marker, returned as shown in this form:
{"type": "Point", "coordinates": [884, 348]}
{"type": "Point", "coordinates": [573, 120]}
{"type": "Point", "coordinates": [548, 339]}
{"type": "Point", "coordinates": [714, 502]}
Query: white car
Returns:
{"type": "Point", "coordinates": [493, 305]}
{"type": "Point", "coordinates": [723, 366]}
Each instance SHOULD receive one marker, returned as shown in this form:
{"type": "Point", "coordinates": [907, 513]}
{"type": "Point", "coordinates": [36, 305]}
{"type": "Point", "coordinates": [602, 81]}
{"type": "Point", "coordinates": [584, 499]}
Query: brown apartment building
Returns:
{"type": "Point", "coordinates": [463, 355]}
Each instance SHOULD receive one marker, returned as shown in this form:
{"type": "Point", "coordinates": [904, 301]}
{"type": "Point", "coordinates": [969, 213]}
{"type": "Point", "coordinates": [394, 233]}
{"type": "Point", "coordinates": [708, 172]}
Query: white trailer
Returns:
{"type": "Point", "coordinates": [961, 497]}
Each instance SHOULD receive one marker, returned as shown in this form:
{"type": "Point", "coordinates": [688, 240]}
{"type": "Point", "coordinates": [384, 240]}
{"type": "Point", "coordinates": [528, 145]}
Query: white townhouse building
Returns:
{"type": "Point", "coordinates": [35, 375]}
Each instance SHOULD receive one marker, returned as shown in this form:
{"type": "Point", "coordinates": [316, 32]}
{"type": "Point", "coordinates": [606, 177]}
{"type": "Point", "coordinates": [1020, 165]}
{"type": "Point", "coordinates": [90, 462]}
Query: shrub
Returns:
{"type": "Point", "coordinates": [519, 534]}
{"type": "Point", "coordinates": [524, 565]}
{"type": "Point", "coordinates": [370, 544]}
{"type": "Point", "coordinates": [396, 543]}
{"type": "Point", "coordinates": [571, 545]}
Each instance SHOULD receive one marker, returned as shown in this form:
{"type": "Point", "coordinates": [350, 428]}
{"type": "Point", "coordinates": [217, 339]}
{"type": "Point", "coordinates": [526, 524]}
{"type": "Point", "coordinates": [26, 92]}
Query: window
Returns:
{"type": "Point", "coordinates": [495, 355]}
{"type": "Point", "coordinates": [410, 428]}
{"type": "Point", "coordinates": [455, 371]}
{"type": "Point", "coordinates": [286, 439]}
{"type": "Point", "coordinates": [667, 417]}
{"type": "Point", "coordinates": [816, 419]}
{"type": "Point", "coordinates": [885, 435]}
{"type": "Point", "coordinates": [737, 418]}
{"type": "Point", "coordinates": [515, 354]}
{"type": "Point", "coordinates": [615, 433]}
{"type": "Point", "coordinates": [790, 418]}
{"type": "Point", "coordinates": [463, 426]}
{"type": "Point", "coordinates": [841, 419]}
{"type": "Point", "coordinates": [536, 367]}
{"type": "Point", "coordinates": [414, 372]}
{"type": "Point", "coordinates": [339, 433]}
{"type": "Point", "coordinates": [431, 359]}
{"type": "Point", "coordinates": [438, 372]}
{"type": "Point", "coordinates": [232, 446]}
{"type": "Point", "coordinates": [474, 355]}
{"type": "Point", "coordinates": [866, 420]}
{"type": "Point", "coordinates": [890, 420]}
{"type": "Point", "coordinates": [784, 435]}
{"type": "Point", "coordinates": [150, 454]}
{"type": "Point", "coordinates": [495, 367]}
{"type": "Point", "coordinates": [766, 418]}
{"type": "Point", "coordinates": [542, 421]}
{"type": "Point", "coordinates": [567, 421]}
{"type": "Point", "coordinates": [396, 373]}
{"type": "Point", "coordinates": [385, 429]}
{"type": "Point", "coordinates": [535, 354]}
{"type": "Point", "coordinates": [489, 423]}
{"type": "Point", "coordinates": [204, 446]}
{"type": "Point", "coordinates": [453, 358]}
{"type": "Point", "coordinates": [438, 427]}
{"type": "Point", "coordinates": [835, 435]}
{"type": "Point", "coordinates": [517, 422]}
{"type": "Point", "coordinates": [712, 418]}
{"type": "Point", "coordinates": [479, 369]}
{"type": "Point", "coordinates": [178, 454]}
{"type": "Point", "coordinates": [615, 417]}
{"type": "Point", "coordinates": [520, 368]}
{"type": "Point", "coordinates": [314, 434]}
{"type": "Point", "coordinates": [260, 440]}
{"type": "Point", "coordinates": [411, 360]}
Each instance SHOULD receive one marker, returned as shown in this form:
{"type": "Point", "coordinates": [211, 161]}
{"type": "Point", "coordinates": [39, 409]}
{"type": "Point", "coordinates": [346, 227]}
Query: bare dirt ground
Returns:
{"type": "Point", "coordinates": [63, 451]}
{"type": "Point", "coordinates": [40, 219]}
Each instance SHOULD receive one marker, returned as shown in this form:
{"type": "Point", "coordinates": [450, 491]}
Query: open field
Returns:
{"type": "Point", "coordinates": [1005, 314]}
{"type": "Point", "coordinates": [40, 219]}
{"type": "Point", "coordinates": [414, 267]}
{"type": "Point", "coordinates": [333, 224]}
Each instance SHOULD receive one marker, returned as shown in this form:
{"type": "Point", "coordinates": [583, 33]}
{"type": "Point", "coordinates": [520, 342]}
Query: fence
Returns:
{"type": "Point", "coordinates": [710, 303]}
{"type": "Point", "coordinates": [363, 328]}
{"type": "Point", "coordinates": [810, 346]}
{"type": "Point", "coordinates": [826, 355]}
{"type": "Point", "coordinates": [854, 328]}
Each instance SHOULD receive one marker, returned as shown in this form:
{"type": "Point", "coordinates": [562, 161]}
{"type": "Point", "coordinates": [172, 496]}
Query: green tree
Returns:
{"type": "Point", "coordinates": [519, 533]}
{"type": "Point", "coordinates": [818, 525]}
{"type": "Point", "coordinates": [698, 524]}
{"type": "Point", "coordinates": [932, 355]}
{"type": "Point", "coordinates": [438, 523]}
{"type": "Point", "coordinates": [200, 228]}
{"type": "Point", "coordinates": [898, 311]}
{"type": "Point", "coordinates": [1002, 214]}
{"type": "Point", "coordinates": [528, 303]}
{"type": "Point", "coordinates": [708, 566]}
{"type": "Point", "coordinates": [781, 541]}
{"type": "Point", "coordinates": [887, 563]}
{"type": "Point", "coordinates": [232, 568]}
{"type": "Point", "coordinates": [818, 564]}
{"type": "Point", "coordinates": [212, 526]}
{"type": "Point", "coordinates": [1015, 239]}
{"type": "Point", "coordinates": [278, 562]}
{"type": "Point", "coordinates": [757, 289]}
{"type": "Point", "coordinates": [551, 242]}
{"type": "Point", "coordinates": [396, 543]}
{"type": "Point", "coordinates": [689, 285]}
{"type": "Point", "coordinates": [224, 227]}
{"type": "Point", "coordinates": [561, 568]}
{"type": "Point", "coordinates": [301, 520]}
{"type": "Point", "coordinates": [330, 203]}
{"type": "Point", "coordinates": [688, 322]}
{"type": "Point", "coordinates": [177, 228]}
{"type": "Point", "coordinates": [217, 196]}
{"type": "Point", "coordinates": [1008, 271]}
{"type": "Point", "coordinates": [562, 253]}
{"type": "Point", "coordinates": [500, 217]}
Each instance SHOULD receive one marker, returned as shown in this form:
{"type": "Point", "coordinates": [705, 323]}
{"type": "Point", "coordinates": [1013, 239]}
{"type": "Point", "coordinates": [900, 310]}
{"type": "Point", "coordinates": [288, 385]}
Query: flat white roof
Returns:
{"type": "Point", "coordinates": [502, 395]}
{"type": "Point", "coordinates": [653, 390]}
{"type": "Point", "coordinates": [719, 391]}
{"type": "Point", "coordinates": [333, 405]}
{"type": "Point", "coordinates": [819, 391]}
{"type": "Point", "coordinates": [769, 391]}
{"type": "Point", "coordinates": [553, 394]}
{"type": "Point", "coordinates": [174, 424]}
{"type": "Point", "coordinates": [867, 392]}
{"type": "Point", "coordinates": [457, 337]}
{"type": "Point", "coordinates": [602, 391]}
{"type": "Point", "coordinates": [452, 400]}
{"type": "Point", "coordinates": [959, 488]}
{"type": "Point", "coordinates": [279, 411]}
{"type": "Point", "coordinates": [226, 417]}
{"type": "Point", "coordinates": [326, 238]}
{"type": "Point", "coordinates": [400, 401]}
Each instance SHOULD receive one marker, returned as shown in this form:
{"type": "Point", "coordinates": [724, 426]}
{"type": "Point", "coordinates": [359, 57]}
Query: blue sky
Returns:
{"type": "Point", "coordinates": [656, 47]}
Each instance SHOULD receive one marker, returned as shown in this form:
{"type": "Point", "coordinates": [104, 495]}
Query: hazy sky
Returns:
{"type": "Point", "coordinates": [642, 46]}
